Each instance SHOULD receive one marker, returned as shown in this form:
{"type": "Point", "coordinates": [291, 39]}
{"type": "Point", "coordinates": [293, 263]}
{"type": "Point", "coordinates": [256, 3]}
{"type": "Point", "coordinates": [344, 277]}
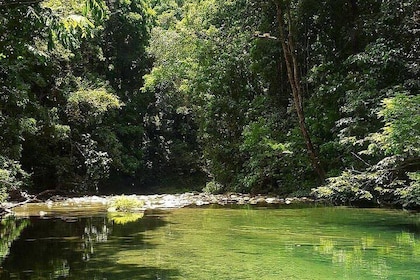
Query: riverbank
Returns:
{"type": "Point", "coordinates": [170, 201]}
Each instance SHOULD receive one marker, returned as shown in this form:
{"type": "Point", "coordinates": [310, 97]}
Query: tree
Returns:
{"type": "Point", "coordinates": [41, 133]}
{"type": "Point", "coordinates": [285, 24]}
{"type": "Point", "coordinates": [376, 83]}
{"type": "Point", "coordinates": [209, 65]}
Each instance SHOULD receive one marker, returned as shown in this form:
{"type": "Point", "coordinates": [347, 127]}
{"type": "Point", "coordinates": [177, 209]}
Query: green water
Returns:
{"type": "Point", "coordinates": [307, 243]}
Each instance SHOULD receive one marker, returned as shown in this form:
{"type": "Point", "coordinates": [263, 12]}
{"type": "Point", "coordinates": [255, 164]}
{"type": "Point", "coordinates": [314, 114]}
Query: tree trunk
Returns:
{"type": "Point", "coordinates": [355, 30]}
{"type": "Point", "coordinates": [289, 52]}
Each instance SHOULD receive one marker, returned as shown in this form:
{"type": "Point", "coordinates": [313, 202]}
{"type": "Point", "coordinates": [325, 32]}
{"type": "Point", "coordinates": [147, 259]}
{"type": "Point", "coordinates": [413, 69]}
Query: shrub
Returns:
{"type": "Point", "coordinates": [125, 204]}
{"type": "Point", "coordinates": [213, 187]}
{"type": "Point", "coordinates": [12, 176]}
{"type": "Point", "coordinates": [347, 188]}
{"type": "Point", "coordinates": [410, 195]}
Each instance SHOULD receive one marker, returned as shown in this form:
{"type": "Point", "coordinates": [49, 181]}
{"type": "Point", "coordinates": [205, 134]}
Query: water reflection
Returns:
{"type": "Point", "coordinates": [369, 253]}
{"type": "Point", "coordinates": [408, 240]}
{"type": "Point", "coordinates": [61, 269]}
{"type": "Point", "coordinates": [123, 218]}
{"type": "Point", "coordinates": [216, 244]}
{"type": "Point", "coordinates": [48, 248]}
{"type": "Point", "coordinates": [10, 230]}
{"type": "Point", "coordinates": [69, 247]}
{"type": "Point", "coordinates": [94, 232]}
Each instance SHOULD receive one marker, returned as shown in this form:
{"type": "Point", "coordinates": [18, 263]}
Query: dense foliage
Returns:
{"type": "Point", "coordinates": [254, 96]}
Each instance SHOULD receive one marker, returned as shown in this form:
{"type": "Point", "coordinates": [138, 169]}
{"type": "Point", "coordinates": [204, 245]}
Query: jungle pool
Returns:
{"type": "Point", "coordinates": [214, 243]}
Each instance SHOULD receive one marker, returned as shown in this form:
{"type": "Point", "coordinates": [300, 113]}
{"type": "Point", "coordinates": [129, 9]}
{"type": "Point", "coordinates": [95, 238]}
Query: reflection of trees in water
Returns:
{"type": "Point", "coordinates": [70, 247]}
{"type": "Point", "coordinates": [51, 248]}
{"type": "Point", "coordinates": [370, 254]}
{"type": "Point", "coordinates": [98, 230]}
{"type": "Point", "coordinates": [10, 230]}
{"type": "Point", "coordinates": [409, 240]}
{"type": "Point", "coordinates": [61, 269]}
{"type": "Point", "coordinates": [94, 232]}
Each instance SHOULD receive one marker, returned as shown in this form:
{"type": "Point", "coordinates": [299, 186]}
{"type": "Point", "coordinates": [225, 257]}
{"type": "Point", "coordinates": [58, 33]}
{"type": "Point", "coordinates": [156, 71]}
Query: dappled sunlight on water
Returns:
{"type": "Point", "coordinates": [206, 243]}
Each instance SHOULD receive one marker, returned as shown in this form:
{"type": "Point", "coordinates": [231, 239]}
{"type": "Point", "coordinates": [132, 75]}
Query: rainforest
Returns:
{"type": "Point", "coordinates": [288, 97]}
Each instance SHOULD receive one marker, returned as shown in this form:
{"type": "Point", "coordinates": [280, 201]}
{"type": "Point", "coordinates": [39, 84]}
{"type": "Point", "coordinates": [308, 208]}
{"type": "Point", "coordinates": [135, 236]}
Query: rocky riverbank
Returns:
{"type": "Point", "coordinates": [170, 201]}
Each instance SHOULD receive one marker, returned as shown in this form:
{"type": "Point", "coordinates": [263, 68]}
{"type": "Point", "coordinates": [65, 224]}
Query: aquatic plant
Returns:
{"type": "Point", "coordinates": [125, 204]}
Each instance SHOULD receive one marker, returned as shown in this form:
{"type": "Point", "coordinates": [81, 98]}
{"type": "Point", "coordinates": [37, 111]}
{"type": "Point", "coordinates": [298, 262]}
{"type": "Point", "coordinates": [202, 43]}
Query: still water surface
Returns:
{"type": "Point", "coordinates": [214, 243]}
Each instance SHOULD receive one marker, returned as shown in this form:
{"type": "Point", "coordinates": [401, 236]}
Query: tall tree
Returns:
{"type": "Point", "coordinates": [287, 38]}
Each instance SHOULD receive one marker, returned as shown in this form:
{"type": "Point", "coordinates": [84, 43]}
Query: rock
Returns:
{"type": "Point", "coordinates": [164, 201]}
{"type": "Point", "coordinates": [252, 201]}
{"type": "Point", "coordinates": [260, 200]}
{"type": "Point", "coordinates": [201, 203]}
{"type": "Point", "coordinates": [241, 201]}
{"type": "Point", "coordinates": [271, 200]}
{"type": "Point", "coordinates": [16, 195]}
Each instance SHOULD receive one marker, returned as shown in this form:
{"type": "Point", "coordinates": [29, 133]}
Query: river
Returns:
{"type": "Point", "coordinates": [237, 242]}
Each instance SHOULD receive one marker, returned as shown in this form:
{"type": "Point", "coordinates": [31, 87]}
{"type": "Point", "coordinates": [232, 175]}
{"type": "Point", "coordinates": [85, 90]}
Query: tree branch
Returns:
{"type": "Point", "coordinates": [362, 160]}
{"type": "Point", "coordinates": [264, 36]}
